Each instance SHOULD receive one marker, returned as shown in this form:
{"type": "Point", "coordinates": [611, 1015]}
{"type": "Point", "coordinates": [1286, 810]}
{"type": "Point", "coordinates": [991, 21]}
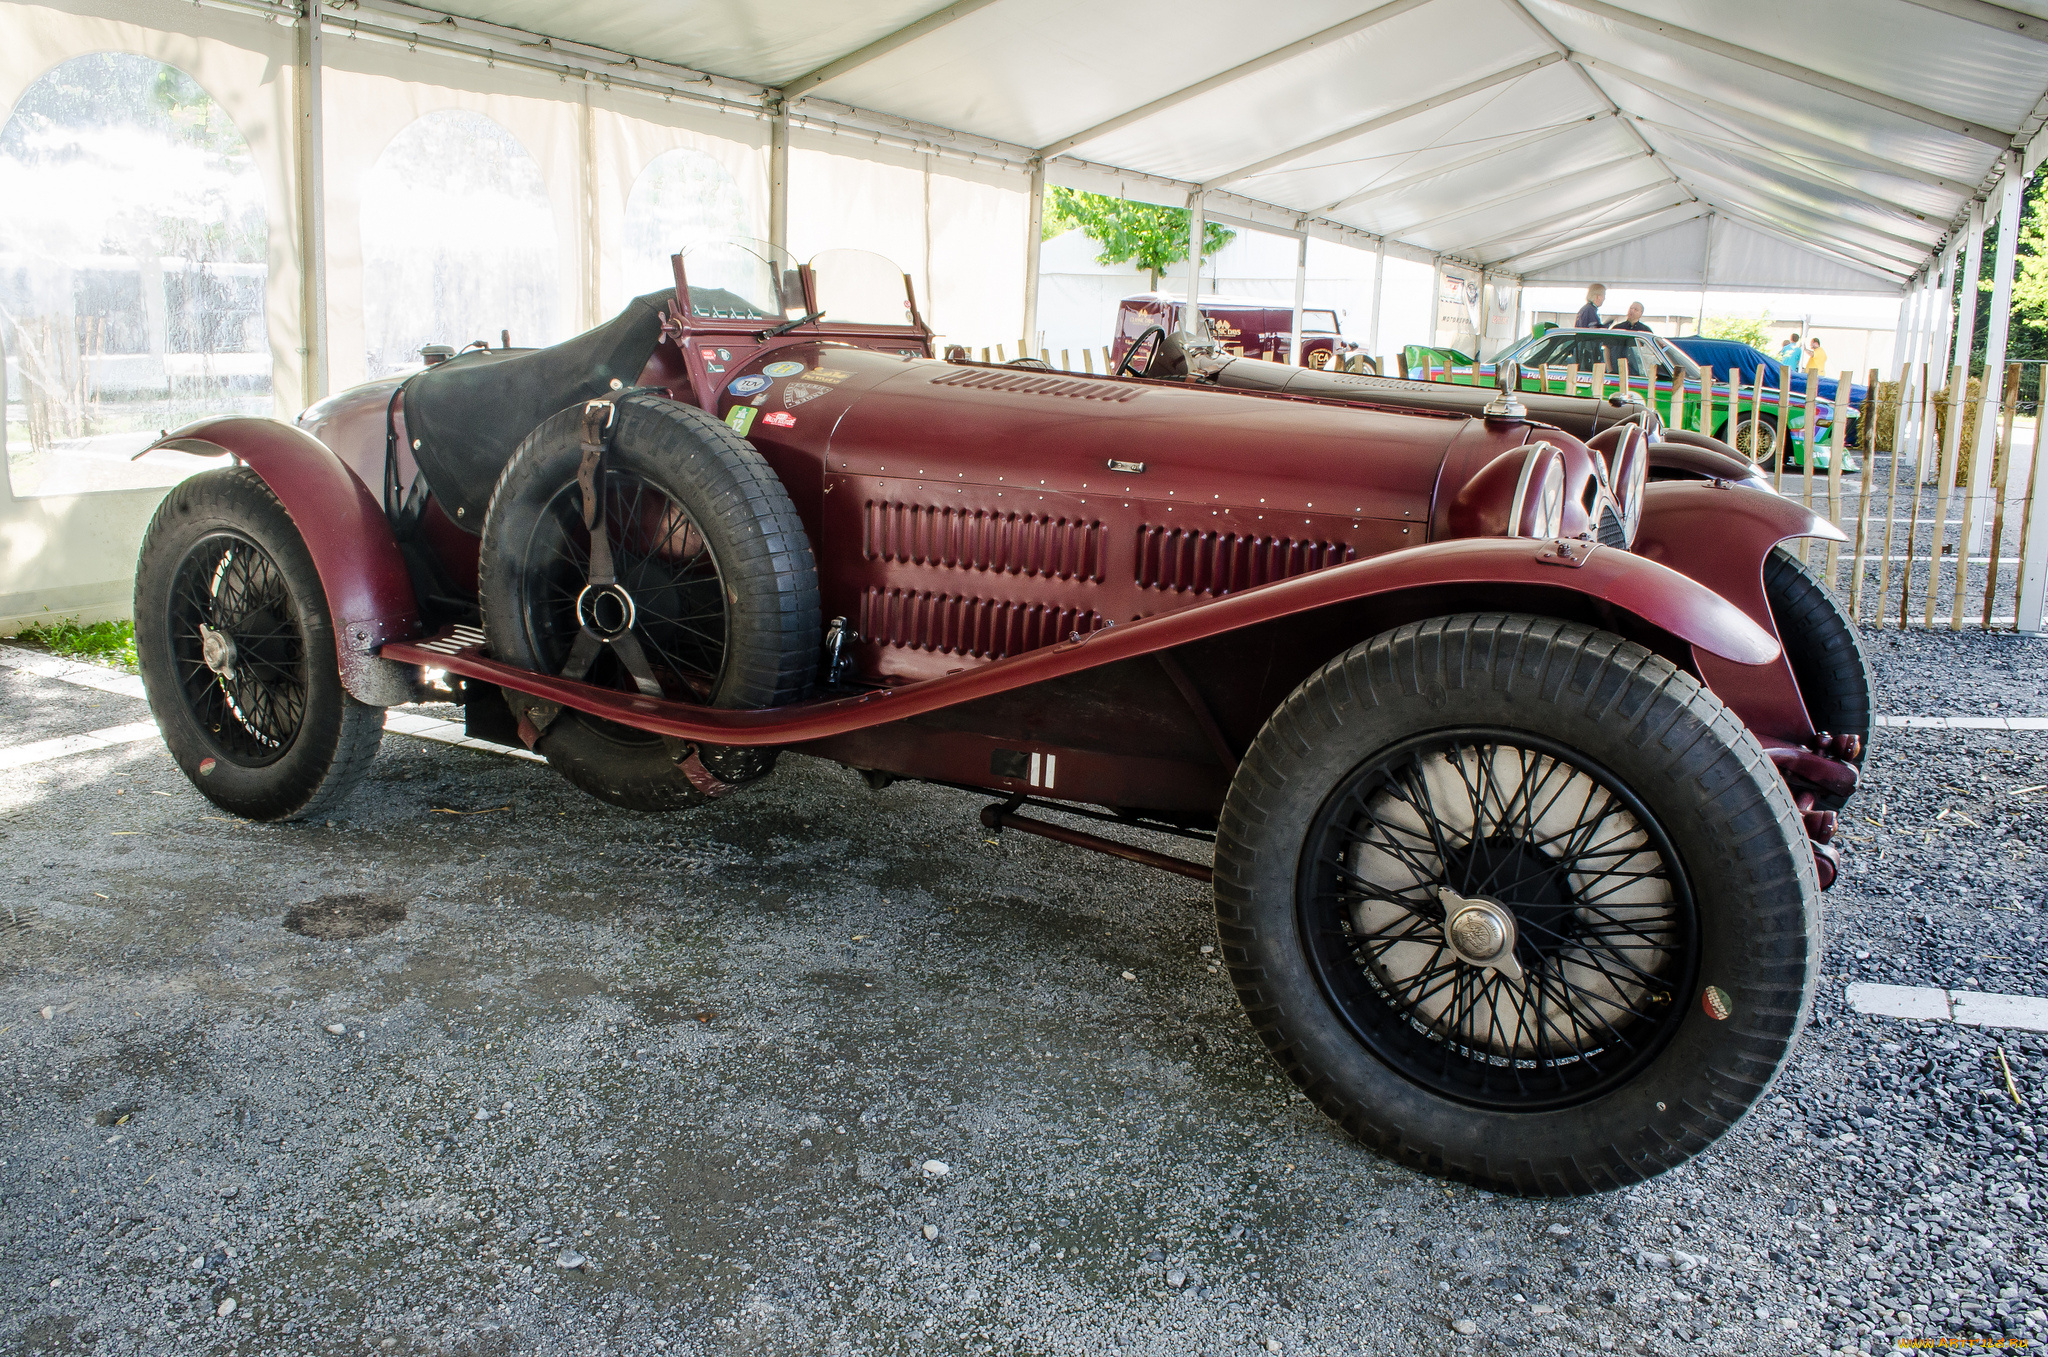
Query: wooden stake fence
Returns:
{"type": "Point", "coordinates": [1936, 474]}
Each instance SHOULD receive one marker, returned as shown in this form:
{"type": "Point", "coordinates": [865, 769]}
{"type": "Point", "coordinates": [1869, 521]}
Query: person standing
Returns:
{"type": "Point", "coordinates": [1589, 314]}
{"type": "Point", "coordinates": [1817, 359]}
{"type": "Point", "coordinates": [1635, 319]}
{"type": "Point", "coordinates": [1789, 351]}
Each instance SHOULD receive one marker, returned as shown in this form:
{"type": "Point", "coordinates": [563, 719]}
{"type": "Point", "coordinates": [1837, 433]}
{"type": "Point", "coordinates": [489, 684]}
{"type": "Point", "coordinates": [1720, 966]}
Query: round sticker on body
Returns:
{"type": "Point", "coordinates": [785, 368]}
{"type": "Point", "coordinates": [747, 386]}
{"type": "Point", "coordinates": [1716, 1002]}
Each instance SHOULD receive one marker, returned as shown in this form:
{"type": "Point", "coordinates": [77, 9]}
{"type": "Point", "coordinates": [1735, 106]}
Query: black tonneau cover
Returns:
{"type": "Point", "coordinates": [471, 412]}
{"type": "Point", "coordinates": [1579, 416]}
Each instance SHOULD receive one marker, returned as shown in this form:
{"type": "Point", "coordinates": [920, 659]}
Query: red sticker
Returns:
{"type": "Point", "coordinates": [781, 419]}
{"type": "Point", "coordinates": [206, 767]}
{"type": "Point", "coordinates": [1715, 1001]}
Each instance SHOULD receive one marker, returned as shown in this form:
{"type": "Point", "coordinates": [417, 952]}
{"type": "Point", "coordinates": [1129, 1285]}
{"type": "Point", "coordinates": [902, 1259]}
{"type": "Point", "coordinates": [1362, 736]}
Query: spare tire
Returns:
{"type": "Point", "coordinates": [714, 569]}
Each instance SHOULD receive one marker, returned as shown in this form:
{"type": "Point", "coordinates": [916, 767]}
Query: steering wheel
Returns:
{"type": "Point", "coordinates": [1125, 368]}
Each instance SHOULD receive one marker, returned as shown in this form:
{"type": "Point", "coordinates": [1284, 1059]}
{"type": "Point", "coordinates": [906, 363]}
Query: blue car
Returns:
{"type": "Point", "coordinates": [1724, 354]}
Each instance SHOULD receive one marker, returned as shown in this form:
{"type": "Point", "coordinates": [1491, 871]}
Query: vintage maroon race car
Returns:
{"type": "Point", "coordinates": [1515, 815]}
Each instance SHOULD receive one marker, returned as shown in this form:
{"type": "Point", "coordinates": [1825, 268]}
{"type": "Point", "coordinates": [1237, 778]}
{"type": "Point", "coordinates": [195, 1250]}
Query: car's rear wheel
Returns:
{"type": "Point", "coordinates": [236, 650]}
{"type": "Point", "coordinates": [1519, 903]}
{"type": "Point", "coordinates": [713, 596]}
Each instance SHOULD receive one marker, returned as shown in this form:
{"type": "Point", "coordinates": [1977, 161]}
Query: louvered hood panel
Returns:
{"type": "Point", "coordinates": [967, 513]}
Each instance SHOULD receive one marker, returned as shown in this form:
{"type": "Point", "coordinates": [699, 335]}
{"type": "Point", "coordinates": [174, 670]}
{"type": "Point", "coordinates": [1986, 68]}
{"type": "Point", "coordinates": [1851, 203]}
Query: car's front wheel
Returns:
{"type": "Point", "coordinates": [1519, 903]}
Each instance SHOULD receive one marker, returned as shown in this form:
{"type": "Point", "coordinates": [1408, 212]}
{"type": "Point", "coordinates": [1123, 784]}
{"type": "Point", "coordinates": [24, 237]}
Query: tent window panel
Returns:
{"type": "Point", "coordinates": [683, 198]}
{"type": "Point", "coordinates": [133, 245]}
{"type": "Point", "coordinates": [458, 243]}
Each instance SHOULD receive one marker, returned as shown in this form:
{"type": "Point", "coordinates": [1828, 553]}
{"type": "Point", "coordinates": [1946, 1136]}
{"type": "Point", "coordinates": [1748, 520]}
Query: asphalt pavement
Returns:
{"type": "Point", "coordinates": [483, 1066]}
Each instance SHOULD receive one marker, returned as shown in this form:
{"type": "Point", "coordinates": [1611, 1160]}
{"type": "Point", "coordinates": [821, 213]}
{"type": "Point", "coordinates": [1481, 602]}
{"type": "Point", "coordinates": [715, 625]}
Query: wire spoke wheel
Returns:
{"type": "Point", "coordinates": [661, 562]}
{"type": "Point", "coordinates": [711, 598]}
{"type": "Point", "coordinates": [1498, 919]}
{"type": "Point", "coordinates": [238, 648]}
{"type": "Point", "coordinates": [1753, 437]}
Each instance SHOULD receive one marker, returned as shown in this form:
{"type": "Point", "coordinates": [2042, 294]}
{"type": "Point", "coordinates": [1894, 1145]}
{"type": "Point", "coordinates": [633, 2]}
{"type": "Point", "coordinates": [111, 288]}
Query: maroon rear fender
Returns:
{"type": "Point", "coordinates": [1720, 534]}
{"type": "Point", "coordinates": [369, 593]}
{"type": "Point", "coordinates": [1659, 597]}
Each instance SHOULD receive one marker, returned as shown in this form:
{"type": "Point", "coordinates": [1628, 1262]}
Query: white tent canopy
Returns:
{"type": "Point", "coordinates": [1496, 132]}
{"type": "Point", "coordinates": [1701, 251]}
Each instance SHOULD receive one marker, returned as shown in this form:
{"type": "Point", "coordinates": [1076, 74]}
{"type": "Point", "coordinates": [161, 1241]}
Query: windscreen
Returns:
{"type": "Point", "coordinates": [740, 279]}
{"type": "Point", "coordinates": [1578, 348]}
{"type": "Point", "coordinates": [856, 287]}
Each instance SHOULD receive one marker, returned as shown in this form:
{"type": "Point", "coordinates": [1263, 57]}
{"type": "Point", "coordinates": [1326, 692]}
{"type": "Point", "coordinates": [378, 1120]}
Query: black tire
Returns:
{"type": "Point", "coordinates": [1825, 650]}
{"type": "Point", "coordinates": [760, 573]}
{"type": "Point", "coordinates": [1742, 915]}
{"type": "Point", "coordinates": [273, 735]}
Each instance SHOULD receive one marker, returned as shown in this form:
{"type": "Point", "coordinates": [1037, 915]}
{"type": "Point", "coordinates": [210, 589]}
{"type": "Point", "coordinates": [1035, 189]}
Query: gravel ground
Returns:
{"type": "Point", "coordinates": [610, 1083]}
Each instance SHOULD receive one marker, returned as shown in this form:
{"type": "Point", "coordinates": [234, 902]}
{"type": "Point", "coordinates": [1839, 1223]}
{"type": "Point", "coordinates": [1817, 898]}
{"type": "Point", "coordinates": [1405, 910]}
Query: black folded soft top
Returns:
{"type": "Point", "coordinates": [471, 412]}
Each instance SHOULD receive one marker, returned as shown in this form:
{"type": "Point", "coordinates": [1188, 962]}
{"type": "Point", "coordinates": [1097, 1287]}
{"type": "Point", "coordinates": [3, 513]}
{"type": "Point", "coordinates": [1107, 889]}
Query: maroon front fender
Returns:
{"type": "Point", "coordinates": [1660, 597]}
{"type": "Point", "coordinates": [369, 593]}
{"type": "Point", "coordinates": [1719, 534]}
{"type": "Point", "coordinates": [1685, 455]}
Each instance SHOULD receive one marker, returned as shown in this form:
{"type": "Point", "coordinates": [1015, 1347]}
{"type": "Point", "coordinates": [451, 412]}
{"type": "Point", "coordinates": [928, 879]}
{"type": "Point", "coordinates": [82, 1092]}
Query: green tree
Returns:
{"type": "Point", "coordinates": [1154, 238]}
{"type": "Point", "coordinates": [2027, 341]}
{"type": "Point", "coordinates": [1754, 331]}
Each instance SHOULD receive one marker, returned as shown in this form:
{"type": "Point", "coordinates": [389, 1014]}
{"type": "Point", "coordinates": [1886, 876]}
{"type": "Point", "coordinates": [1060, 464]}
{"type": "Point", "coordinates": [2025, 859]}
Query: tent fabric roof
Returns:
{"type": "Point", "coordinates": [1676, 257]}
{"type": "Point", "coordinates": [1834, 142]}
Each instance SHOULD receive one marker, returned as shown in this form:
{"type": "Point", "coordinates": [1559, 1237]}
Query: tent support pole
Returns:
{"type": "Point", "coordinates": [1294, 353]}
{"type": "Point", "coordinates": [1034, 229]}
{"type": "Point", "coordinates": [1944, 312]}
{"type": "Point", "coordinates": [1706, 275]}
{"type": "Point", "coordinates": [1379, 276]}
{"type": "Point", "coordinates": [1908, 423]}
{"type": "Point", "coordinates": [778, 177]}
{"type": "Point", "coordinates": [1899, 335]}
{"type": "Point", "coordinates": [309, 145]}
{"type": "Point", "coordinates": [1997, 329]}
{"type": "Point", "coordinates": [1966, 340]}
{"type": "Point", "coordinates": [1198, 224]}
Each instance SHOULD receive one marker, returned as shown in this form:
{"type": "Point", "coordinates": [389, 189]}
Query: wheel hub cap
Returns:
{"type": "Point", "coordinates": [1480, 932]}
{"type": "Point", "coordinates": [606, 609]}
{"type": "Point", "coordinates": [217, 648]}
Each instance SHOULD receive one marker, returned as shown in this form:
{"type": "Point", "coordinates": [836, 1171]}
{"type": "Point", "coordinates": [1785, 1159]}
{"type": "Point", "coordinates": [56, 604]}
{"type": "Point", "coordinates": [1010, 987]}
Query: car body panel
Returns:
{"type": "Point", "coordinates": [1662, 597]}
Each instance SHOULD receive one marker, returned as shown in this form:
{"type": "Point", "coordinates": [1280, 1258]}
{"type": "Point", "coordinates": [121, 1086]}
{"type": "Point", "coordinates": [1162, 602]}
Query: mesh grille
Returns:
{"type": "Point", "coordinates": [1221, 563]}
{"type": "Point", "coordinates": [1612, 533]}
{"type": "Point", "coordinates": [1011, 544]}
{"type": "Point", "coordinates": [1034, 384]}
{"type": "Point", "coordinates": [987, 628]}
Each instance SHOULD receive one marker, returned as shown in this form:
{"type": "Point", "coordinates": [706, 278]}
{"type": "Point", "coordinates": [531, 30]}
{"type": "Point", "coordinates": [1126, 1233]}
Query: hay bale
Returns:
{"type": "Point", "coordinates": [1884, 422]}
{"type": "Point", "coordinates": [1972, 411]}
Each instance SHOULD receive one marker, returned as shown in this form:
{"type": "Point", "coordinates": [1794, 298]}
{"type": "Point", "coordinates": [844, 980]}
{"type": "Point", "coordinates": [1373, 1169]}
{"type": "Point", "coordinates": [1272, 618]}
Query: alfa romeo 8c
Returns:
{"type": "Point", "coordinates": [1514, 810]}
